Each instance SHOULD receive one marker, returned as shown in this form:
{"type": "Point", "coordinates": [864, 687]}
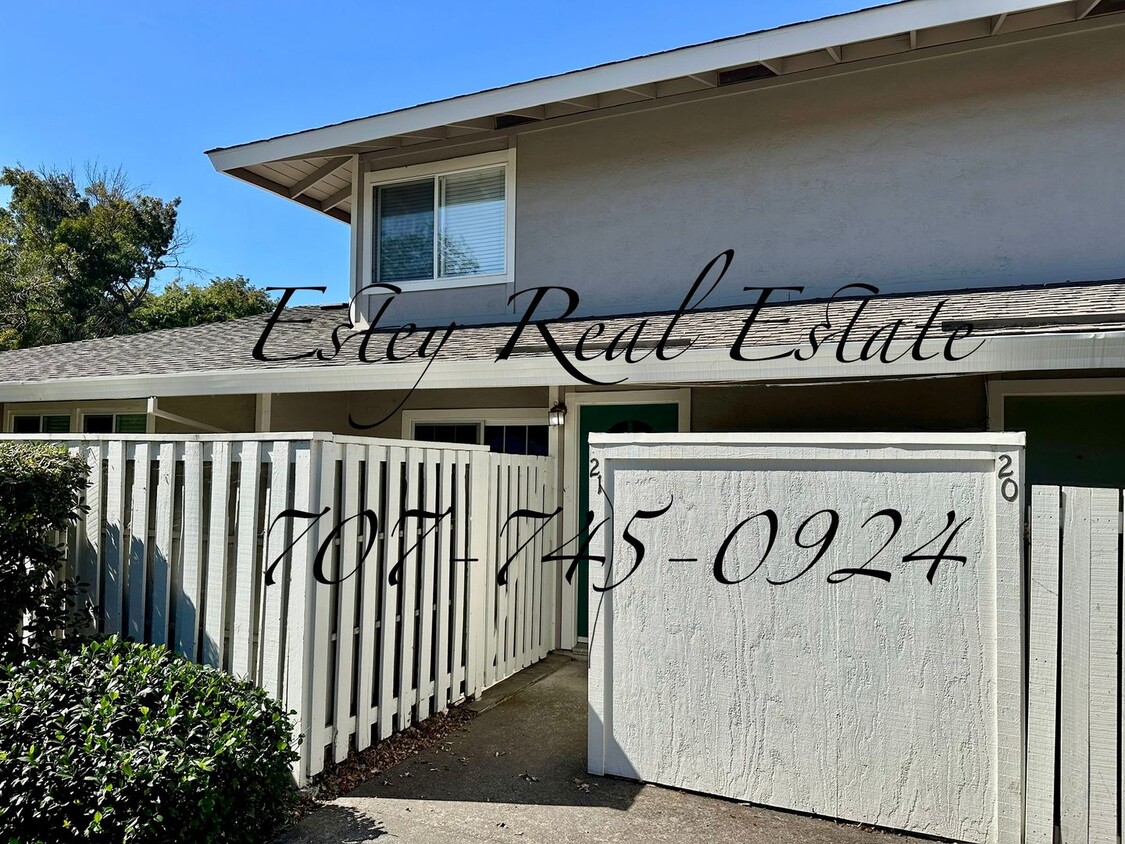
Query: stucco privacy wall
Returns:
{"type": "Point", "coordinates": [894, 701]}
{"type": "Point", "coordinates": [943, 173]}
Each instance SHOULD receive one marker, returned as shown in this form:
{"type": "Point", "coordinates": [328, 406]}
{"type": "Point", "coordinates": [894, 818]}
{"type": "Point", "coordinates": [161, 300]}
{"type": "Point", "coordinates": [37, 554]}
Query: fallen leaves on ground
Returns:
{"type": "Point", "coordinates": [365, 765]}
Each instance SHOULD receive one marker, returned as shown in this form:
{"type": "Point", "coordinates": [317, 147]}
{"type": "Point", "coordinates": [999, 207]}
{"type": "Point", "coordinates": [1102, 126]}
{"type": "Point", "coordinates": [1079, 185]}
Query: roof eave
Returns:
{"type": "Point", "coordinates": [824, 34]}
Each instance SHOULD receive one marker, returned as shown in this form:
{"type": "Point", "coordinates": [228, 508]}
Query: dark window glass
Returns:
{"type": "Point", "coordinates": [25, 425]}
{"type": "Point", "coordinates": [494, 438]}
{"type": "Point", "coordinates": [537, 440]}
{"type": "Point", "coordinates": [515, 439]}
{"type": "Point", "coordinates": [405, 231]}
{"type": "Point", "coordinates": [97, 424]}
{"type": "Point", "coordinates": [448, 432]}
{"type": "Point", "coordinates": [56, 424]}
{"type": "Point", "coordinates": [132, 423]}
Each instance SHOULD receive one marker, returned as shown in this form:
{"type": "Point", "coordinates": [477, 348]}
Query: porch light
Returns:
{"type": "Point", "coordinates": [556, 415]}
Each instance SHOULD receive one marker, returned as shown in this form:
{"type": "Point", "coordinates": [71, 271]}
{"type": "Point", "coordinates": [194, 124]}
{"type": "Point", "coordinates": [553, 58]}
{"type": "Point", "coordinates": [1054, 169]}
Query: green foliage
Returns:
{"type": "Point", "coordinates": [131, 743]}
{"type": "Point", "coordinates": [179, 305]}
{"type": "Point", "coordinates": [77, 260]}
{"type": "Point", "coordinates": [40, 490]}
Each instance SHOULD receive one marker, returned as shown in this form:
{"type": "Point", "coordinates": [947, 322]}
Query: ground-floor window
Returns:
{"type": "Point", "coordinates": [114, 423]}
{"type": "Point", "coordinates": [27, 423]}
{"type": "Point", "coordinates": [500, 435]}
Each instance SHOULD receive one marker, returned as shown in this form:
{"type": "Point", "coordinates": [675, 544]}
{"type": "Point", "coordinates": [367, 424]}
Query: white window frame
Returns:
{"type": "Point", "coordinates": [472, 416]}
{"type": "Point", "coordinates": [76, 413]}
{"type": "Point", "coordinates": [483, 161]}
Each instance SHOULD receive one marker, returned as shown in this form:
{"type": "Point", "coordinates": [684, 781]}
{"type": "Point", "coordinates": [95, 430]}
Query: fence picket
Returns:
{"type": "Point", "coordinates": [447, 464]}
{"type": "Point", "coordinates": [1039, 814]}
{"type": "Point", "coordinates": [245, 581]}
{"type": "Point", "coordinates": [366, 709]}
{"type": "Point", "coordinates": [138, 543]}
{"type": "Point", "coordinates": [113, 557]}
{"type": "Point", "coordinates": [319, 598]}
{"type": "Point", "coordinates": [1075, 677]}
{"type": "Point", "coordinates": [302, 648]}
{"type": "Point", "coordinates": [427, 569]}
{"type": "Point", "coordinates": [273, 606]}
{"type": "Point", "coordinates": [1103, 701]}
{"type": "Point", "coordinates": [388, 630]}
{"type": "Point", "coordinates": [191, 545]}
{"type": "Point", "coordinates": [214, 631]}
{"type": "Point", "coordinates": [89, 560]}
{"type": "Point", "coordinates": [408, 582]}
{"type": "Point", "coordinates": [479, 607]}
{"type": "Point", "coordinates": [461, 565]}
{"type": "Point", "coordinates": [162, 548]}
{"type": "Point", "coordinates": [493, 493]}
{"type": "Point", "coordinates": [348, 575]}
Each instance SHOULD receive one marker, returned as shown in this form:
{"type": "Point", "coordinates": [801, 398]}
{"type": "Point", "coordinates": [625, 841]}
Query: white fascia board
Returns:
{"type": "Point", "coordinates": [1022, 353]}
{"type": "Point", "coordinates": [818, 440]}
{"type": "Point", "coordinates": [864, 25]}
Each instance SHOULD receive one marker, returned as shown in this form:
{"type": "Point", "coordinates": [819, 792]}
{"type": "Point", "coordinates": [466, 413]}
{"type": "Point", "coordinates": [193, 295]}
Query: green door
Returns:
{"type": "Point", "coordinates": [612, 419]}
{"type": "Point", "coordinates": [1071, 440]}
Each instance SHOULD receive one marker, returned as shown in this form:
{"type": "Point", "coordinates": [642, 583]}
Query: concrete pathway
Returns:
{"type": "Point", "coordinates": [517, 774]}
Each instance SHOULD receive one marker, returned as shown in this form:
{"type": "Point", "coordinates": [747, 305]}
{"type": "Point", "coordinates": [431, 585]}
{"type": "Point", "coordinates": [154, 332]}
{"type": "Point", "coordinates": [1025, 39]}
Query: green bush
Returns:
{"type": "Point", "coordinates": [40, 490]}
{"type": "Point", "coordinates": [121, 742]}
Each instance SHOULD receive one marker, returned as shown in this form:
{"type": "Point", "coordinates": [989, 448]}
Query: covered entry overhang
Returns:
{"type": "Point", "coordinates": [1069, 327]}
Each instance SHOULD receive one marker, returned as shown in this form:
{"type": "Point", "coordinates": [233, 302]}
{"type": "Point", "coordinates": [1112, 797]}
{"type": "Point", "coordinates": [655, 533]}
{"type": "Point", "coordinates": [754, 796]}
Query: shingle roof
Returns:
{"type": "Point", "coordinates": [228, 346]}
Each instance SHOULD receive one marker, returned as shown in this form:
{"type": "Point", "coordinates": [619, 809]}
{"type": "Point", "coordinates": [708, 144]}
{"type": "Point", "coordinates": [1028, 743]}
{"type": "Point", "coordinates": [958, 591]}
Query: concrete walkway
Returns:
{"type": "Point", "coordinates": [518, 774]}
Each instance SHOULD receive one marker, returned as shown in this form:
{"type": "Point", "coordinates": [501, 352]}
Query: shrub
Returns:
{"type": "Point", "coordinates": [40, 490]}
{"type": "Point", "coordinates": [120, 742]}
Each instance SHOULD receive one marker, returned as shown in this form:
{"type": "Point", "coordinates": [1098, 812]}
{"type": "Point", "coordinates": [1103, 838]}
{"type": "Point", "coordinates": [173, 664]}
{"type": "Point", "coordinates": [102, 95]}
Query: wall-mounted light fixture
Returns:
{"type": "Point", "coordinates": [556, 415]}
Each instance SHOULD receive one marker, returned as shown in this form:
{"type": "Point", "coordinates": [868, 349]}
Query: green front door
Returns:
{"type": "Point", "coordinates": [612, 419]}
{"type": "Point", "coordinates": [1071, 440]}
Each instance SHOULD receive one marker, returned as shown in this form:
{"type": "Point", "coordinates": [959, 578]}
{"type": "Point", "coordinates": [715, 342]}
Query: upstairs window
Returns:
{"type": "Point", "coordinates": [446, 225]}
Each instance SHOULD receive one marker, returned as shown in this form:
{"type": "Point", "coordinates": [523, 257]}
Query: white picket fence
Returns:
{"type": "Point", "coordinates": [1074, 779]}
{"type": "Point", "coordinates": [181, 531]}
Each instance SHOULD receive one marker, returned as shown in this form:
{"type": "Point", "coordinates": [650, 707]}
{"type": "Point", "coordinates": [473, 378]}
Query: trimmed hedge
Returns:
{"type": "Point", "coordinates": [121, 742]}
{"type": "Point", "coordinates": [40, 491]}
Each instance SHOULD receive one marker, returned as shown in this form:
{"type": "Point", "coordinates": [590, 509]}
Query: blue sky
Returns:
{"type": "Point", "coordinates": [149, 86]}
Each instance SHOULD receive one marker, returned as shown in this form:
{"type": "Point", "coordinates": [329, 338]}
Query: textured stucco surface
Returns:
{"type": "Point", "coordinates": [866, 700]}
{"type": "Point", "coordinates": [988, 168]}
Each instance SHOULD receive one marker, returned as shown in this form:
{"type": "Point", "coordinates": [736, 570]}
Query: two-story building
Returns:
{"type": "Point", "coordinates": [907, 218]}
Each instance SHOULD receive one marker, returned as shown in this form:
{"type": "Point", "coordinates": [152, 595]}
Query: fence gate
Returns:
{"type": "Point", "coordinates": [1074, 713]}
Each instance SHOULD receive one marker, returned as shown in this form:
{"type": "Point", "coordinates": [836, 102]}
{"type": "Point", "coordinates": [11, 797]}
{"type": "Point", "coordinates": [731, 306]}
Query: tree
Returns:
{"type": "Point", "coordinates": [77, 260]}
{"type": "Point", "coordinates": [179, 305]}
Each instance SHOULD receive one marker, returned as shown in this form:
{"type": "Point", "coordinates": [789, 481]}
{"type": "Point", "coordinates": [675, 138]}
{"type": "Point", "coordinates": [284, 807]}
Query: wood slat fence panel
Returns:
{"type": "Point", "coordinates": [182, 531]}
{"type": "Point", "coordinates": [1073, 787]}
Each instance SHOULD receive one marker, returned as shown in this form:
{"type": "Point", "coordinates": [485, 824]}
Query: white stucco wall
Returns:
{"type": "Point", "coordinates": [895, 703]}
{"type": "Point", "coordinates": [987, 168]}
